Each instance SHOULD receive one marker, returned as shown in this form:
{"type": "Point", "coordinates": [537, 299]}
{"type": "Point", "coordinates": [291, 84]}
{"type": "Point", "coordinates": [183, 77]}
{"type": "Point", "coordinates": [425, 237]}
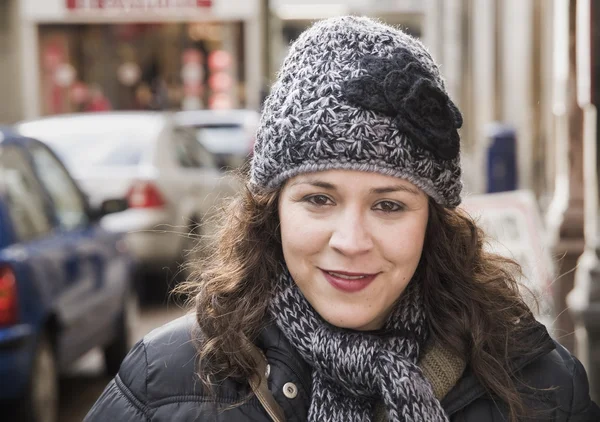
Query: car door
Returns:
{"type": "Point", "coordinates": [91, 298]}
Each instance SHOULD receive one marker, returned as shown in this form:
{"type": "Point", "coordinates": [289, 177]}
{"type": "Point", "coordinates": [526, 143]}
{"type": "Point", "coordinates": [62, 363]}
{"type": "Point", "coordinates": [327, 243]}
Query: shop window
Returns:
{"type": "Point", "coordinates": [141, 66]}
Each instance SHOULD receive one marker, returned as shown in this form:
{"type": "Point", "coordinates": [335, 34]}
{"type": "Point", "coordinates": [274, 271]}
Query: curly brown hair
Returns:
{"type": "Point", "coordinates": [471, 297]}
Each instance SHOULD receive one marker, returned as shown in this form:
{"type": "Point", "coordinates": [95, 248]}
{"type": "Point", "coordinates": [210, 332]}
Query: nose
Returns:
{"type": "Point", "coordinates": [351, 235]}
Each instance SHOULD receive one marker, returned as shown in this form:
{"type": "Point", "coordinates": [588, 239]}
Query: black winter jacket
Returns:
{"type": "Point", "coordinates": [157, 383]}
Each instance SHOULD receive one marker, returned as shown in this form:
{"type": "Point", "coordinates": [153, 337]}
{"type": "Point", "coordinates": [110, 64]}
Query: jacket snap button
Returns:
{"type": "Point", "coordinates": [290, 390]}
{"type": "Point", "coordinates": [268, 371]}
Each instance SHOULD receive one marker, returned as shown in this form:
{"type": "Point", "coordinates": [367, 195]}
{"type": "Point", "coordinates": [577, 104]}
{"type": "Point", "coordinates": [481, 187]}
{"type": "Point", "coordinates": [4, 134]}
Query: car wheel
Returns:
{"type": "Point", "coordinates": [118, 348]}
{"type": "Point", "coordinates": [41, 401]}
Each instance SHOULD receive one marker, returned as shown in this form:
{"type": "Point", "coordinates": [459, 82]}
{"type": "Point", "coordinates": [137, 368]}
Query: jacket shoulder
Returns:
{"type": "Point", "coordinates": [159, 368]}
{"type": "Point", "coordinates": [159, 380]}
{"type": "Point", "coordinates": [563, 376]}
{"type": "Point", "coordinates": [164, 366]}
{"type": "Point", "coordinates": [164, 363]}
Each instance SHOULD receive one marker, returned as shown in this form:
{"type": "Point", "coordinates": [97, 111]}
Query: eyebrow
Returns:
{"type": "Point", "coordinates": [315, 183]}
{"type": "Point", "coordinates": [384, 189]}
{"type": "Point", "coordinates": [395, 188]}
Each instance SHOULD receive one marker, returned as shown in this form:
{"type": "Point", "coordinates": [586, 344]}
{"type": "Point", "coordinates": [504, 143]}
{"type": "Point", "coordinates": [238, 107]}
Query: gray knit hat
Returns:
{"type": "Point", "coordinates": [357, 94]}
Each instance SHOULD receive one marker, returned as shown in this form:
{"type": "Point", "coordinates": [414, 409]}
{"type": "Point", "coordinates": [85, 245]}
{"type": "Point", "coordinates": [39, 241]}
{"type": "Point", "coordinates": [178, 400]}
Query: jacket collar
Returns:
{"type": "Point", "coordinates": [468, 389]}
{"type": "Point", "coordinates": [272, 341]}
{"type": "Point", "coordinates": [274, 344]}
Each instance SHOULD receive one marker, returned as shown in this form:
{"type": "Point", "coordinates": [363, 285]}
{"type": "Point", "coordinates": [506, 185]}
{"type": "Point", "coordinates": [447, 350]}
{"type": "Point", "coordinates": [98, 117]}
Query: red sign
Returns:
{"type": "Point", "coordinates": [136, 4]}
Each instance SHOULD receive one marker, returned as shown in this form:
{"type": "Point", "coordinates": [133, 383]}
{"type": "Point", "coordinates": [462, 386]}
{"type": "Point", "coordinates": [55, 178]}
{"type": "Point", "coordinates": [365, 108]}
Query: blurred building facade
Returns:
{"type": "Point", "coordinates": [76, 55]}
{"type": "Point", "coordinates": [10, 78]}
{"type": "Point", "coordinates": [497, 57]}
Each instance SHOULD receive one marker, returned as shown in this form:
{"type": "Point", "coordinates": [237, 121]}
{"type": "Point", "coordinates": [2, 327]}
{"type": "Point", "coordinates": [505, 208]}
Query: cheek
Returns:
{"type": "Point", "coordinates": [301, 235]}
{"type": "Point", "coordinates": [404, 245]}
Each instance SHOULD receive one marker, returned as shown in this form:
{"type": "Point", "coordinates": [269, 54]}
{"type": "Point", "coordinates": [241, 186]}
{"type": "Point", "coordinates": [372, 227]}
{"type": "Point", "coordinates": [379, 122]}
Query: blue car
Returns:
{"type": "Point", "coordinates": [66, 284]}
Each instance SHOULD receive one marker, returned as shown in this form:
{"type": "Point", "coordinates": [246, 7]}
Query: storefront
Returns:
{"type": "Point", "coordinates": [93, 55]}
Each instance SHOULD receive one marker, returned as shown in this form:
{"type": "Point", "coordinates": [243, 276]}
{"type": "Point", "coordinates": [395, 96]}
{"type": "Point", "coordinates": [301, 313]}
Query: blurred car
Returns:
{"type": "Point", "coordinates": [171, 182]}
{"type": "Point", "coordinates": [228, 134]}
{"type": "Point", "coordinates": [65, 283]}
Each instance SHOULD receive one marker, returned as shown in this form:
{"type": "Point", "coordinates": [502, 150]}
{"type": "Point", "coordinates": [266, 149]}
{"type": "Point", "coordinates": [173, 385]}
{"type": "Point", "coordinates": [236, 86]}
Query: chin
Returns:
{"type": "Point", "coordinates": [350, 320]}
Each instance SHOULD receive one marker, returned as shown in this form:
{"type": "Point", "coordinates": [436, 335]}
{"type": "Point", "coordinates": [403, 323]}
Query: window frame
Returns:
{"type": "Point", "coordinates": [46, 206]}
{"type": "Point", "coordinates": [77, 190]}
{"type": "Point", "coordinates": [182, 134]}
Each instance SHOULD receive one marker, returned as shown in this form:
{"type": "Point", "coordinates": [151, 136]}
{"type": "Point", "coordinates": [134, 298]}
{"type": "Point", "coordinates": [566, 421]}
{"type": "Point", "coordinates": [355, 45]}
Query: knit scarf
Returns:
{"type": "Point", "coordinates": [353, 370]}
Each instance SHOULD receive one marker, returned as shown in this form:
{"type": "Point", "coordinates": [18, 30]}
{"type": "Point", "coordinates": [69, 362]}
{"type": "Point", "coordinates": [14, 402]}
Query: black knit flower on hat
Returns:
{"type": "Point", "coordinates": [402, 88]}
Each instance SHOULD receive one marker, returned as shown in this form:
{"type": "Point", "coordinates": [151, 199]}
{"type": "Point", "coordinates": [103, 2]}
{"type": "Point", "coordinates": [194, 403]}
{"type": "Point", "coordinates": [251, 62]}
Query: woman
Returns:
{"type": "Point", "coordinates": [345, 285]}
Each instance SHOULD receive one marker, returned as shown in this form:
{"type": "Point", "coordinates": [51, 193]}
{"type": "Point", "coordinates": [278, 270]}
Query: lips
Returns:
{"type": "Point", "coordinates": [347, 281]}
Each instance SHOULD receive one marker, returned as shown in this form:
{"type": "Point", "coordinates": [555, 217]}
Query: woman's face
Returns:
{"type": "Point", "coordinates": [352, 241]}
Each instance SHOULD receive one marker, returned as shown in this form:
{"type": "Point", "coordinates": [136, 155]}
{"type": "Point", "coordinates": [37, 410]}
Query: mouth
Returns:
{"type": "Point", "coordinates": [348, 281]}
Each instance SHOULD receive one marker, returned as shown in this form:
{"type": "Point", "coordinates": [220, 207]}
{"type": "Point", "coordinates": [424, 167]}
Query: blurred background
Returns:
{"type": "Point", "coordinates": [120, 121]}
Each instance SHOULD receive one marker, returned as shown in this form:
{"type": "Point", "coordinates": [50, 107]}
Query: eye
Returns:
{"type": "Point", "coordinates": [388, 206]}
{"type": "Point", "coordinates": [318, 200]}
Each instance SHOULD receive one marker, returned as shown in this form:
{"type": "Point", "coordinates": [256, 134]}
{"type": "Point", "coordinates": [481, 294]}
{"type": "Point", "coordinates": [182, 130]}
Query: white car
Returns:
{"type": "Point", "coordinates": [169, 180]}
{"type": "Point", "coordinates": [228, 134]}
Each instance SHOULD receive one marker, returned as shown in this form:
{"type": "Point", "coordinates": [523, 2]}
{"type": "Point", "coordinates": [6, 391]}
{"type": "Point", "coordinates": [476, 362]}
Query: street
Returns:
{"type": "Point", "coordinates": [86, 380]}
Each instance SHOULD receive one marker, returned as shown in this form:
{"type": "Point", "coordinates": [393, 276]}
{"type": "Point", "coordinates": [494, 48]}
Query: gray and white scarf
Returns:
{"type": "Point", "coordinates": [352, 370]}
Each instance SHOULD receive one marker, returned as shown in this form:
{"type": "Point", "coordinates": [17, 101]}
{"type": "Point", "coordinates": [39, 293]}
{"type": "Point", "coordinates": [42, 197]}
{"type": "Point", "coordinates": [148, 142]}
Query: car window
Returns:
{"type": "Point", "coordinates": [69, 205]}
{"type": "Point", "coordinates": [23, 195]}
{"type": "Point", "coordinates": [225, 139]}
{"type": "Point", "coordinates": [189, 152]}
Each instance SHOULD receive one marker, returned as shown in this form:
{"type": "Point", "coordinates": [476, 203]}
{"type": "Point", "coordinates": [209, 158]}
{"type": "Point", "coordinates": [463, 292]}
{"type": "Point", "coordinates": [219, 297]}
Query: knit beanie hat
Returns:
{"type": "Point", "coordinates": [356, 94]}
